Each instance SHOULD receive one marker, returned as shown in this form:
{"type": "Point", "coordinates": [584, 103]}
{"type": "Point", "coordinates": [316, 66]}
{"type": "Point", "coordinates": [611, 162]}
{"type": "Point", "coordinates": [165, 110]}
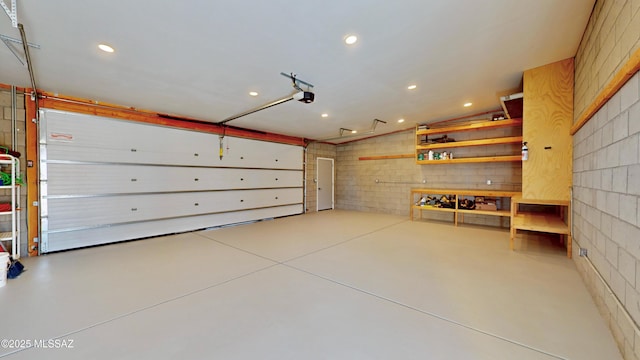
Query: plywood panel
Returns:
{"type": "Point", "coordinates": [547, 120]}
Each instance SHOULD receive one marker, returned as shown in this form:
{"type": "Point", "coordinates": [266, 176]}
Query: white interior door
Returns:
{"type": "Point", "coordinates": [325, 184]}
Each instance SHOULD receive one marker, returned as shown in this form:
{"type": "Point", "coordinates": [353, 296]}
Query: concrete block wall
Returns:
{"type": "Point", "coordinates": [611, 36]}
{"type": "Point", "coordinates": [606, 217]}
{"type": "Point", "coordinates": [313, 152]}
{"type": "Point", "coordinates": [5, 140]}
{"type": "Point", "coordinates": [356, 179]}
{"type": "Point", "coordinates": [606, 171]}
{"type": "Point", "coordinates": [384, 185]}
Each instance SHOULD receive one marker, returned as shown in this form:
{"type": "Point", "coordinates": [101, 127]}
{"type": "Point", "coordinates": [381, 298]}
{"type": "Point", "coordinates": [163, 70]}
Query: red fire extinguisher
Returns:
{"type": "Point", "coordinates": [525, 151]}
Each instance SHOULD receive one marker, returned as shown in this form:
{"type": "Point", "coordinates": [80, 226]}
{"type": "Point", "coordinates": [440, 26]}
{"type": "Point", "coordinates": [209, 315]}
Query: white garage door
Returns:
{"type": "Point", "coordinates": [104, 180]}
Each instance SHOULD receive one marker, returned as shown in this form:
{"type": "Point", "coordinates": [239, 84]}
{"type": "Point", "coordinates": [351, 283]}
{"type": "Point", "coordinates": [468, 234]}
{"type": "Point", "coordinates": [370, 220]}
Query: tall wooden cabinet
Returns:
{"type": "Point", "coordinates": [547, 119]}
{"type": "Point", "coordinates": [547, 174]}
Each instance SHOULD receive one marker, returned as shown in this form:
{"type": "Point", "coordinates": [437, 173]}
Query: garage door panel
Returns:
{"type": "Point", "coordinates": [57, 241]}
{"type": "Point", "coordinates": [123, 156]}
{"type": "Point", "coordinates": [93, 138]}
{"type": "Point", "coordinates": [70, 213]}
{"type": "Point", "coordinates": [131, 179]}
{"type": "Point", "coordinates": [282, 157]}
{"type": "Point", "coordinates": [260, 154]}
{"type": "Point", "coordinates": [85, 131]}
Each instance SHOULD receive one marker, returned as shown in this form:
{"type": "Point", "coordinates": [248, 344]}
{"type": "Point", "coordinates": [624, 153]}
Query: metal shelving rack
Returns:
{"type": "Point", "coordinates": [13, 187]}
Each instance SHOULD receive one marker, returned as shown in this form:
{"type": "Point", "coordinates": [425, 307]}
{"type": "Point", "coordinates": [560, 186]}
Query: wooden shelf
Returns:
{"type": "Point", "coordinates": [486, 212]}
{"type": "Point", "coordinates": [387, 157]}
{"type": "Point", "coordinates": [540, 222]}
{"type": "Point", "coordinates": [554, 223]}
{"type": "Point", "coordinates": [459, 144]}
{"type": "Point", "coordinates": [542, 201]}
{"type": "Point", "coordinates": [434, 208]}
{"type": "Point", "coordinates": [421, 147]}
{"type": "Point", "coordinates": [477, 126]}
{"type": "Point", "coordinates": [502, 158]}
{"type": "Point", "coordinates": [466, 192]}
{"type": "Point", "coordinates": [457, 193]}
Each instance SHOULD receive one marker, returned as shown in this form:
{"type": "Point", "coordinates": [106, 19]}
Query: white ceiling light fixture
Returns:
{"type": "Point", "coordinates": [253, 93]}
{"type": "Point", "coordinates": [106, 48]}
{"type": "Point", "coordinates": [350, 39]}
{"type": "Point", "coordinates": [325, 115]}
{"type": "Point", "coordinates": [400, 121]}
{"type": "Point", "coordinates": [467, 104]}
{"type": "Point", "coordinates": [412, 87]}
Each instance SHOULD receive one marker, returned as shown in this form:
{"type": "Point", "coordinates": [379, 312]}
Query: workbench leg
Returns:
{"type": "Point", "coordinates": [569, 240]}
{"type": "Point", "coordinates": [411, 202]}
{"type": "Point", "coordinates": [512, 229]}
{"type": "Point", "coordinates": [512, 235]}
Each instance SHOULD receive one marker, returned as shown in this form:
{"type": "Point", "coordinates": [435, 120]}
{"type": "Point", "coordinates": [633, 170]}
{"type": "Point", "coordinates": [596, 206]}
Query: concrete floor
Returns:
{"type": "Point", "coordinates": [328, 285]}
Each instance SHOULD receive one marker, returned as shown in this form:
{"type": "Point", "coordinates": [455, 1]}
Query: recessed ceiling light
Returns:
{"type": "Point", "coordinates": [325, 115]}
{"type": "Point", "coordinates": [412, 87]}
{"type": "Point", "coordinates": [106, 48]}
{"type": "Point", "coordinates": [253, 93]}
{"type": "Point", "coordinates": [401, 120]}
{"type": "Point", "coordinates": [354, 131]}
{"type": "Point", "coordinates": [350, 39]}
{"type": "Point", "coordinates": [468, 104]}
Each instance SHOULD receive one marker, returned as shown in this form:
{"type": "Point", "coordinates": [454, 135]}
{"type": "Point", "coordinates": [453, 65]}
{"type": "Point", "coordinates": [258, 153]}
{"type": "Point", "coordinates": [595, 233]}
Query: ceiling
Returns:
{"type": "Point", "coordinates": [200, 59]}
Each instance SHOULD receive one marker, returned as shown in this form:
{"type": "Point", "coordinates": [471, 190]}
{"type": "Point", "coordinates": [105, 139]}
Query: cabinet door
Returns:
{"type": "Point", "coordinates": [547, 119]}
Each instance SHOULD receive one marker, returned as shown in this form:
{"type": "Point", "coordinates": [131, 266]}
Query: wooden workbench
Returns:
{"type": "Point", "coordinates": [458, 193]}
